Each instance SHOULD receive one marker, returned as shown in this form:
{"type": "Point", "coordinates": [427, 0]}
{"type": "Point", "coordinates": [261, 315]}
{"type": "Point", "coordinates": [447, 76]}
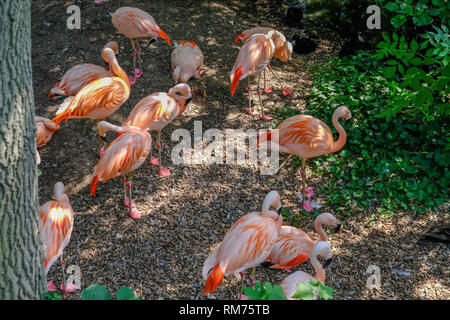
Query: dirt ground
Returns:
{"type": "Point", "coordinates": [186, 215]}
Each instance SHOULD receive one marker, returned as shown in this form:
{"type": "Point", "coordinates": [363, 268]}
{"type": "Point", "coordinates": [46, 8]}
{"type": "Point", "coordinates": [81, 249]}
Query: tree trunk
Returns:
{"type": "Point", "coordinates": [21, 250]}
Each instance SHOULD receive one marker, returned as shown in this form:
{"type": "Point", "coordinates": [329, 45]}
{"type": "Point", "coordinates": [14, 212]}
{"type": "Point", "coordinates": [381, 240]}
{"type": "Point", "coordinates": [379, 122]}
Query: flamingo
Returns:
{"type": "Point", "coordinates": [283, 51]}
{"type": "Point", "coordinates": [307, 137]}
{"type": "Point", "coordinates": [157, 110]}
{"type": "Point", "coordinates": [78, 76]}
{"type": "Point", "coordinates": [290, 284]}
{"type": "Point", "coordinates": [186, 61]}
{"type": "Point", "coordinates": [293, 246]}
{"type": "Point", "coordinates": [44, 130]}
{"type": "Point", "coordinates": [57, 223]}
{"type": "Point", "coordinates": [135, 23]}
{"type": "Point", "coordinates": [124, 155]}
{"type": "Point", "coordinates": [100, 98]}
{"type": "Point", "coordinates": [245, 245]}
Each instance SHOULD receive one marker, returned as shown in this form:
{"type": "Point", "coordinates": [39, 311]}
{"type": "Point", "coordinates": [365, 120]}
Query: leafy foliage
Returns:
{"type": "Point", "coordinates": [52, 296]}
{"type": "Point", "coordinates": [265, 292]}
{"type": "Point", "coordinates": [99, 292]}
{"type": "Point", "coordinates": [313, 289]}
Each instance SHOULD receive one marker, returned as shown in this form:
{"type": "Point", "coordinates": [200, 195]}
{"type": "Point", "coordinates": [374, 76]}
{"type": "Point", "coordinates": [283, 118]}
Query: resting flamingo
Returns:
{"type": "Point", "coordinates": [293, 246]}
{"type": "Point", "coordinates": [80, 75]}
{"type": "Point", "coordinates": [135, 23]}
{"type": "Point", "coordinates": [283, 51]}
{"type": "Point", "coordinates": [186, 61]}
{"type": "Point", "coordinates": [245, 245]}
{"type": "Point", "coordinates": [124, 155]}
{"type": "Point", "coordinates": [290, 284]}
{"type": "Point", "coordinates": [45, 129]}
{"type": "Point", "coordinates": [156, 111]}
{"type": "Point", "coordinates": [307, 137]}
{"type": "Point", "coordinates": [57, 223]}
{"type": "Point", "coordinates": [98, 99]}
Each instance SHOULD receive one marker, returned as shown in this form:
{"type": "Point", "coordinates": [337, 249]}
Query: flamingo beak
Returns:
{"type": "Point", "coordinates": [338, 227]}
{"type": "Point", "coordinates": [327, 262]}
{"type": "Point", "coordinates": [163, 35]}
{"type": "Point", "coordinates": [188, 101]}
{"type": "Point", "coordinates": [280, 209]}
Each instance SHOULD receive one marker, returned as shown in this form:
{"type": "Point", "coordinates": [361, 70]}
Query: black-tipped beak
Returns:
{"type": "Point", "coordinates": [337, 228]}
{"type": "Point", "coordinates": [327, 262]}
{"type": "Point", "coordinates": [279, 212]}
{"type": "Point", "coordinates": [106, 63]}
{"type": "Point", "coordinates": [104, 138]}
{"type": "Point", "coordinates": [152, 41]}
{"type": "Point", "coordinates": [188, 101]}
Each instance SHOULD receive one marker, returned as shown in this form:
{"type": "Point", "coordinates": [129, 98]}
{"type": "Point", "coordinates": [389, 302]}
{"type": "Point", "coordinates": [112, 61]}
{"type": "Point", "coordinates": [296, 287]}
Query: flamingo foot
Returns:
{"type": "Point", "coordinates": [268, 90]}
{"type": "Point", "coordinates": [307, 205]}
{"type": "Point", "coordinates": [132, 80]}
{"type": "Point", "coordinates": [251, 282]}
{"type": "Point", "coordinates": [57, 98]}
{"type": "Point", "coordinates": [241, 296]}
{"type": "Point", "coordinates": [287, 91]}
{"type": "Point", "coordinates": [98, 1]}
{"type": "Point", "coordinates": [154, 161]}
{"type": "Point", "coordinates": [138, 73]}
{"type": "Point", "coordinates": [126, 202]}
{"type": "Point", "coordinates": [288, 270]}
{"type": "Point", "coordinates": [101, 152]}
{"type": "Point", "coordinates": [309, 192]}
{"type": "Point", "coordinates": [163, 171]}
{"type": "Point", "coordinates": [68, 288]}
{"type": "Point", "coordinates": [251, 111]}
{"type": "Point", "coordinates": [134, 213]}
{"type": "Point", "coordinates": [265, 117]}
{"type": "Point", "coordinates": [50, 286]}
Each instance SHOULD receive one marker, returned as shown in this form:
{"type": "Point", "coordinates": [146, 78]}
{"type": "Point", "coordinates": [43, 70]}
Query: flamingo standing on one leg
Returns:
{"type": "Point", "coordinates": [80, 75]}
{"type": "Point", "coordinates": [45, 129]}
{"type": "Point", "coordinates": [290, 284]}
{"type": "Point", "coordinates": [124, 155]}
{"type": "Point", "coordinates": [283, 51]}
{"type": "Point", "coordinates": [293, 246]}
{"type": "Point", "coordinates": [100, 98]}
{"type": "Point", "coordinates": [57, 222]}
{"type": "Point", "coordinates": [186, 61]}
{"type": "Point", "coordinates": [135, 23]}
{"type": "Point", "coordinates": [245, 245]}
{"type": "Point", "coordinates": [157, 110]}
{"type": "Point", "coordinates": [307, 137]}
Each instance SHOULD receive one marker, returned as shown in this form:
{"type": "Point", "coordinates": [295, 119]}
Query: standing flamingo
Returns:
{"type": "Point", "coordinates": [124, 155]}
{"type": "Point", "coordinates": [293, 246]}
{"type": "Point", "coordinates": [290, 284]}
{"type": "Point", "coordinates": [157, 110]}
{"type": "Point", "coordinates": [57, 222]}
{"type": "Point", "coordinates": [307, 137]}
{"type": "Point", "coordinates": [135, 23]}
{"type": "Point", "coordinates": [186, 61]}
{"type": "Point", "coordinates": [100, 98]}
{"type": "Point", "coordinates": [283, 51]}
{"type": "Point", "coordinates": [253, 57]}
{"type": "Point", "coordinates": [44, 130]}
{"type": "Point", "coordinates": [245, 245]}
{"type": "Point", "coordinates": [80, 75]}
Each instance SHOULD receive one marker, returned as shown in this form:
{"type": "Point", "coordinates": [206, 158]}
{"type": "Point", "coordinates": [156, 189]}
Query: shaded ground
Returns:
{"type": "Point", "coordinates": [186, 216]}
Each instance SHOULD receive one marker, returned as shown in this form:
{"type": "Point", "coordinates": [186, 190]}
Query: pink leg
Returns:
{"type": "Point", "coordinates": [132, 212]}
{"type": "Point", "coordinates": [163, 171]}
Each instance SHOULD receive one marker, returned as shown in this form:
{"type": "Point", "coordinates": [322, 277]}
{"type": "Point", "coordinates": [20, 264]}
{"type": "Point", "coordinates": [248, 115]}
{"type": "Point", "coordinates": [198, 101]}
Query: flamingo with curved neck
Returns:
{"type": "Point", "coordinates": [44, 130]}
{"type": "Point", "coordinates": [246, 244]}
{"type": "Point", "coordinates": [307, 137]}
{"type": "Point", "coordinates": [124, 155]}
{"type": "Point", "coordinates": [290, 284]}
{"type": "Point", "coordinates": [156, 111]}
{"type": "Point", "coordinates": [293, 246]}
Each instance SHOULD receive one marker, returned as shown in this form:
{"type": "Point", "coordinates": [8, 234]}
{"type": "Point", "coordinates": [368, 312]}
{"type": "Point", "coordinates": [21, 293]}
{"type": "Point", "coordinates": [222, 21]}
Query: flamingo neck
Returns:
{"type": "Point", "coordinates": [318, 269]}
{"type": "Point", "coordinates": [322, 234]}
{"type": "Point", "coordinates": [340, 142]}
{"type": "Point", "coordinates": [118, 71]}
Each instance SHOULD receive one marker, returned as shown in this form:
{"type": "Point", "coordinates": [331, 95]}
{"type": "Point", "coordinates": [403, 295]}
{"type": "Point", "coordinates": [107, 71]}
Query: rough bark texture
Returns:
{"type": "Point", "coordinates": [21, 252]}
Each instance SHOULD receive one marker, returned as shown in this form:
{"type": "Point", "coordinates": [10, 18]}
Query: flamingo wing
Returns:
{"type": "Point", "coordinates": [80, 75]}
{"type": "Point", "coordinates": [304, 129]}
{"type": "Point", "coordinates": [135, 23]}
{"type": "Point", "coordinates": [57, 222]}
{"type": "Point", "coordinates": [97, 100]}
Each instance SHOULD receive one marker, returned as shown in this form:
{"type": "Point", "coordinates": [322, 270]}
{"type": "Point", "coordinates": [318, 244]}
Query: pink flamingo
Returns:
{"type": "Point", "coordinates": [124, 155]}
{"type": "Point", "coordinates": [245, 245]}
{"type": "Point", "coordinates": [135, 23]}
{"type": "Point", "coordinates": [307, 137]}
{"type": "Point", "coordinates": [78, 76]}
{"type": "Point", "coordinates": [293, 246]}
{"type": "Point", "coordinates": [290, 284]}
{"type": "Point", "coordinates": [156, 111]}
{"type": "Point", "coordinates": [44, 130]}
{"type": "Point", "coordinates": [98, 99]}
{"type": "Point", "coordinates": [186, 61]}
{"type": "Point", "coordinates": [57, 223]}
{"type": "Point", "coordinates": [283, 51]}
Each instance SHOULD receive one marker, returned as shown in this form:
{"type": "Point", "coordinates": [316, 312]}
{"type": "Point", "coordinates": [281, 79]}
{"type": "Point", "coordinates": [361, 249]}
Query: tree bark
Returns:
{"type": "Point", "coordinates": [21, 250]}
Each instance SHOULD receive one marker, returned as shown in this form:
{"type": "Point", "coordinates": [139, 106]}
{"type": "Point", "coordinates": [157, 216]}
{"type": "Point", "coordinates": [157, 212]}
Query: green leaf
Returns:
{"type": "Point", "coordinates": [125, 293]}
{"type": "Point", "coordinates": [391, 6]}
{"type": "Point", "coordinates": [96, 292]}
{"type": "Point", "coordinates": [398, 20]}
{"type": "Point", "coordinates": [304, 292]}
{"type": "Point", "coordinates": [422, 20]}
{"type": "Point", "coordinates": [414, 45]}
{"type": "Point", "coordinates": [325, 292]}
{"type": "Point", "coordinates": [52, 296]}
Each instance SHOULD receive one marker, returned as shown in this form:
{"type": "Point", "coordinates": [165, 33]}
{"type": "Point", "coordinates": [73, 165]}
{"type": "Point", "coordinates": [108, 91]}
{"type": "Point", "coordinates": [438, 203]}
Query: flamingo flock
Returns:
{"type": "Point", "coordinates": [91, 91]}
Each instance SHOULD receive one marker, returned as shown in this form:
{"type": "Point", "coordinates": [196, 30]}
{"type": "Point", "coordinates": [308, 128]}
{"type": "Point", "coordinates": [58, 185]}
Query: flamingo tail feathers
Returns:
{"type": "Point", "coordinates": [94, 184]}
{"type": "Point", "coordinates": [237, 76]}
{"type": "Point", "coordinates": [214, 279]}
{"type": "Point", "coordinates": [239, 36]}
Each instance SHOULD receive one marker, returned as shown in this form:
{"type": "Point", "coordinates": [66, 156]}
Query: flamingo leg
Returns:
{"type": "Point", "coordinates": [153, 160]}
{"type": "Point", "coordinates": [139, 57]}
{"type": "Point", "coordinates": [162, 170]}
{"type": "Point", "coordinates": [252, 277]}
{"type": "Point", "coordinates": [241, 291]}
{"type": "Point", "coordinates": [303, 176]}
{"type": "Point", "coordinates": [285, 90]}
{"type": "Point", "coordinates": [101, 147]}
{"type": "Point", "coordinates": [261, 113]}
{"type": "Point", "coordinates": [61, 262]}
{"type": "Point", "coordinates": [132, 211]}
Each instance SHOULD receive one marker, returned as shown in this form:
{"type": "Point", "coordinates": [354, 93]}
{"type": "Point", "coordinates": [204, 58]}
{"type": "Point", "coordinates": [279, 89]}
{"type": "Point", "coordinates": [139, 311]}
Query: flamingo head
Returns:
{"type": "Point", "coordinates": [163, 35]}
{"type": "Point", "coordinates": [323, 249]}
{"type": "Point", "coordinates": [182, 94]}
{"type": "Point", "coordinates": [329, 220]}
{"type": "Point", "coordinates": [343, 112]}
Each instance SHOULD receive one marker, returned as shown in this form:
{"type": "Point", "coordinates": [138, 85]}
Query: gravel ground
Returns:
{"type": "Point", "coordinates": [185, 216]}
